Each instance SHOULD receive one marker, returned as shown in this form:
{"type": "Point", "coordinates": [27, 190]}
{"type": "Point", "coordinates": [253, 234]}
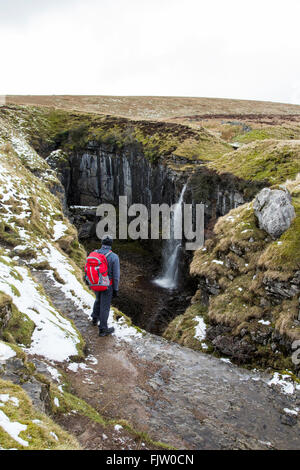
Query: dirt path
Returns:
{"type": "Point", "coordinates": [178, 396]}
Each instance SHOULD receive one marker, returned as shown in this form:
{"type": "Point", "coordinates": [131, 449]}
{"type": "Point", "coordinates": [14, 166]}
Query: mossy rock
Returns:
{"type": "Point", "coordinates": [37, 431]}
{"type": "Point", "coordinates": [182, 328]}
{"type": "Point", "coordinates": [19, 328]}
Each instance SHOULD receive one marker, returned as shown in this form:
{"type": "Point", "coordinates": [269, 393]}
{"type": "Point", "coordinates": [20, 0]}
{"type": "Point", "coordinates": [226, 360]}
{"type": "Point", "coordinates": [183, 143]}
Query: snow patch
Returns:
{"type": "Point", "coordinates": [118, 427]}
{"type": "Point", "coordinates": [227, 361]}
{"type": "Point", "coordinates": [5, 397]}
{"type": "Point", "coordinates": [122, 330]}
{"type": "Point", "coordinates": [59, 229]}
{"type": "Point", "coordinates": [13, 428]}
{"type": "Point", "coordinates": [6, 352]}
{"type": "Point", "coordinates": [54, 337]}
{"type": "Point", "coordinates": [291, 412]}
{"type": "Point", "coordinates": [54, 373]}
{"type": "Point", "coordinates": [56, 402]}
{"type": "Point", "coordinates": [264, 322]}
{"type": "Point", "coordinates": [284, 382]}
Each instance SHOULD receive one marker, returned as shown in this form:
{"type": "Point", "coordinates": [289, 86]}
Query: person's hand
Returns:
{"type": "Point", "coordinates": [115, 293]}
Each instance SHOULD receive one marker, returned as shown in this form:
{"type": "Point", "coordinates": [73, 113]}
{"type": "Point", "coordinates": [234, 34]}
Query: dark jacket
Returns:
{"type": "Point", "coordinates": [113, 265]}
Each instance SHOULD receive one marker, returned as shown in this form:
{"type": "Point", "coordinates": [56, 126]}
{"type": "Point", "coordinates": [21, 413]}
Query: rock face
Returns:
{"type": "Point", "coordinates": [274, 211]}
{"type": "Point", "coordinates": [101, 173]}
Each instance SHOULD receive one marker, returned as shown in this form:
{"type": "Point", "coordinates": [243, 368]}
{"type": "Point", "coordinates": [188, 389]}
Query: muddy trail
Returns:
{"type": "Point", "coordinates": [178, 396]}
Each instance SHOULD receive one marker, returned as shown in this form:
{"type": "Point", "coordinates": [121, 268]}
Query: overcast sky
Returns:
{"type": "Point", "coordinates": [212, 48]}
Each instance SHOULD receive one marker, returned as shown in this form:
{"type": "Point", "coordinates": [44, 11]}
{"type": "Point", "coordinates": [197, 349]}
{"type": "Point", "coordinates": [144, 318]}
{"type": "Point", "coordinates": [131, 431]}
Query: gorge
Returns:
{"type": "Point", "coordinates": [237, 298]}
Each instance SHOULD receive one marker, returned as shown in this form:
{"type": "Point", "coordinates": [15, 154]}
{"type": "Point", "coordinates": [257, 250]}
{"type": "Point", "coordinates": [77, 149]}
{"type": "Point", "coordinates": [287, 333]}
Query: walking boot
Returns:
{"type": "Point", "coordinates": [95, 321]}
{"type": "Point", "coordinates": [106, 332]}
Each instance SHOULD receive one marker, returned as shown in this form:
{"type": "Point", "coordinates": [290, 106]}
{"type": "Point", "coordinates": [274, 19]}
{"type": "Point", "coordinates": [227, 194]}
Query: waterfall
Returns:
{"type": "Point", "coordinates": [172, 249]}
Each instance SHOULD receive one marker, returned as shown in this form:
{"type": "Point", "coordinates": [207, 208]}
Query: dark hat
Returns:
{"type": "Point", "coordinates": [107, 240]}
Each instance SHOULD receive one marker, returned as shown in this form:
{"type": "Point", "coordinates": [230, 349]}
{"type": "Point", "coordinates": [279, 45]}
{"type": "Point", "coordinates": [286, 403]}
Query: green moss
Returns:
{"type": "Point", "coordinates": [16, 275]}
{"type": "Point", "coordinates": [284, 254]}
{"type": "Point", "coordinates": [41, 266]}
{"type": "Point", "coordinates": [8, 234]}
{"type": "Point", "coordinates": [141, 436]}
{"type": "Point", "coordinates": [120, 315]}
{"type": "Point", "coordinates": [205, 148]}
{"type": "Point", "coordinates": [272, 132]}
{"type": "Point", "coordinates": [182, 328]}
{"type": "Point", "coordinates": [19, 327]}
{"type": "Point", "coordinates": [14, 290]}
{"type": "Point", "coordinates": [69, 403]}
{"type": "Point", "coordinates": [77, 253]}
{"type": "Point", "coordinates": [40, 433]}
{"type": "Point", "coordinates": [51, 129]}
{"type": "Point", "coordinates": [269, 160]}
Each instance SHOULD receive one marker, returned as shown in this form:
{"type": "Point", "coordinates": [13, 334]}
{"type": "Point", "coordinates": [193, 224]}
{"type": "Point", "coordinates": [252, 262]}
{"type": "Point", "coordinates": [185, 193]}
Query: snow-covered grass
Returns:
{"type": "Point", "coordinates": [284, 382]}
{"type": "Point", "coordinates": [72, 288]}
{"type": "Point", "coordinates": [200, 331]}
{"type": "Point", "coordinates": [6, 352]}
{"type": "Point", "coordinates": [59, 229]}
{"type": "Point", "coordinates": [54, 373]}
{"type": "Point", "coordinates": [22, 426]}
{"type": "Point", "coordinates": [5, 397]}
{"type": "Point", "coordinates": [13, 428]}
{"type": "Point", "coordinates": [54, 337]}
{"type": "Point", "coordinates": [26, 198]}
{"type": "Point", "coordinates": [34, 220]}
{"type": "Point", "coordinates": [264, 322]}
{"type": "Point", "coordinates": [123, 331]}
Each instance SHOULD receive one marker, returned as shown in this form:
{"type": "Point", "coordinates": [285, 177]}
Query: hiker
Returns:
{"type": "Point", "coordinates": [103, 298]}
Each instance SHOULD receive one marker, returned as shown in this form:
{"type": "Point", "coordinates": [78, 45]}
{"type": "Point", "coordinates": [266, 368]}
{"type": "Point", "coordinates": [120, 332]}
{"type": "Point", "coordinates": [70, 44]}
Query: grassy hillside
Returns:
{"type": "Point", "coordinates": [156, 107]}
{"type": "Point", "coordinates": [47, 129]}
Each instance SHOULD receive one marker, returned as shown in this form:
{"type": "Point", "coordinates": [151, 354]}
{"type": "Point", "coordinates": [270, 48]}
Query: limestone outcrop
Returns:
{"type": "Point", "coordinates": [274, 210]}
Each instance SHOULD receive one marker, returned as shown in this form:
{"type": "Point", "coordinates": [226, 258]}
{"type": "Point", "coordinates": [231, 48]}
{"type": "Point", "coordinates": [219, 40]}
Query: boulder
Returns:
{"type": "Point", "coordinates": [274, 211]}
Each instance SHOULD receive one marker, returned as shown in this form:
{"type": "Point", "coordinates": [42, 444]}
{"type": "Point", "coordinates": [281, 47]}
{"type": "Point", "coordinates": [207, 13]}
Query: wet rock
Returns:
{"type": "Point", "coordinates": [274, 211]}
{"type": "Point", "coordinates": [212, 286]}
{"type": "Point", "coordinates": [35, 391]}
{"type": "Point", "coordinates": [281, 289]}
{"type": "Point", "coordinates": [288, 420]}
{"type": "Point", "coordinates": [216, 330]}
{"type": "Point", "coordinates": [13, 370]}
{"type": "Point", "coordinates": [100, 174]}
{"type": "Point", "coordinates": [239, 350]}
{"type": "Point", "coordinates": [261, 335]}
{"type": "Point", "coordinates": [86, 230]}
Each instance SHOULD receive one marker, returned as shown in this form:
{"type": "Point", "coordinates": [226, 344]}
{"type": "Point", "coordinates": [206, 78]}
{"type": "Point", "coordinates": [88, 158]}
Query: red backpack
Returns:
{"type": "Point", "coordinates": [96, 271]}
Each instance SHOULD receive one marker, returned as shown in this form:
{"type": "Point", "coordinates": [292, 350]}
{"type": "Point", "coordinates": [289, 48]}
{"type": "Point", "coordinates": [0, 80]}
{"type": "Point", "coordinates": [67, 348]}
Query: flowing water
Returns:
{"type": "Point", "coordinates": [172, 249]}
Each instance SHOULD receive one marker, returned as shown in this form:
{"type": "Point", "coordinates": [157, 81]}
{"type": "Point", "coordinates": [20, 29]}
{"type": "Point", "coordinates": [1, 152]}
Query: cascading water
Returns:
{"type": "Point", "coordinates": [172, 248]}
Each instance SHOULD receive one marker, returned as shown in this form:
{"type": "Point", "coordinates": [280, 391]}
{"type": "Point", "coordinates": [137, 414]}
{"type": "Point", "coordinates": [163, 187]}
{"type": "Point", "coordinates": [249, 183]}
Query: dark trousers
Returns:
{"type": "Point", "coordinates": [102, 307]}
